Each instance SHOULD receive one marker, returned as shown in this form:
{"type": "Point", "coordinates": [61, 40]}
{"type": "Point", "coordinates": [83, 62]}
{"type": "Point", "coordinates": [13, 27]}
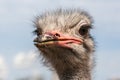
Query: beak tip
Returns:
{"type": "Point", "coordinates": [35, 40]}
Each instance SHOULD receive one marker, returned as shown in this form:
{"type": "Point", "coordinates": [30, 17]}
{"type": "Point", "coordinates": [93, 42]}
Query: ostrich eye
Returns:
{"type": "Point", "coordinates": [37, 32]}
{"type": "Point", "coordinates": [84, 30]}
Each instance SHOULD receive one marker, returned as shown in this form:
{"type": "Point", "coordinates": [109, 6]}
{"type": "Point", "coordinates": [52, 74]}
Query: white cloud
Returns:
{"type": "Point", "coordinates": [3, 69]}
{"type": "Point", "coordinates": [19, 59]}
{"type": "Point", "coordinates": [25, 59]}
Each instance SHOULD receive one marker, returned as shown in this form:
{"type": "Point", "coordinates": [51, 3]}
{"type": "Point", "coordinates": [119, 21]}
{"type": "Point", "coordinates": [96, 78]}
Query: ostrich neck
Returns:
{"type": "Point", "coordinates": [75, 74]}
{"type": "Point", "coordinates": [70, 66]}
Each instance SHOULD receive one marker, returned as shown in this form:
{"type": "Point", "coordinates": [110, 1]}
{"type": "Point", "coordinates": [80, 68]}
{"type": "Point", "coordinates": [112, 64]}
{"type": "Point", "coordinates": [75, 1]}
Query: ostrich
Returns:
{"type": "Point", "coordinates": [64, 40]}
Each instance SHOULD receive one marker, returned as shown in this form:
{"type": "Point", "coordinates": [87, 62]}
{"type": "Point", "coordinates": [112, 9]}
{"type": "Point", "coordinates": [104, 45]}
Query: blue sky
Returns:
{"type": "Point", "coordinates": [18, 54]}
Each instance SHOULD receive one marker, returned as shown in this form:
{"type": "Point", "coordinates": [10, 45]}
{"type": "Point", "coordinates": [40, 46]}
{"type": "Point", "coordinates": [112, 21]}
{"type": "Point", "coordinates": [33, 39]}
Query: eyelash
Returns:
{"type": "Point", "coordinates": [36, 32]}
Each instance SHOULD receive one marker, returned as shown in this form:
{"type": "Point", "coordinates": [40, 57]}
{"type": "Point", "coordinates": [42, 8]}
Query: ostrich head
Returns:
{"type": "Point", "coordinates": [64, 39]}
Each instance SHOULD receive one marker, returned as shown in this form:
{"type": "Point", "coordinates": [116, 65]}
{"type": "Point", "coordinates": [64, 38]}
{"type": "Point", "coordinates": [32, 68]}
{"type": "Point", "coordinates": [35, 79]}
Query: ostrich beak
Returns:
{"type": "Point", "coordinates": [55, 38]}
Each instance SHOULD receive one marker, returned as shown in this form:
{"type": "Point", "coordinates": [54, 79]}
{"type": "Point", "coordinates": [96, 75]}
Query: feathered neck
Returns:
{"type": "Point", "coordinates": [68, 65]}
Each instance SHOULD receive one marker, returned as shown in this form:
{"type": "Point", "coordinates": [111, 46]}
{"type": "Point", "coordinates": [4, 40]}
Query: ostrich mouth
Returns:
{"type": "Point", "coordinates": [62, 41]}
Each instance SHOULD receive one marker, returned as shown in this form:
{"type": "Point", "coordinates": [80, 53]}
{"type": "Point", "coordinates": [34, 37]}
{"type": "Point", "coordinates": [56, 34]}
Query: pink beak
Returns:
{"type": "Point", "coordinates": [56, 38]}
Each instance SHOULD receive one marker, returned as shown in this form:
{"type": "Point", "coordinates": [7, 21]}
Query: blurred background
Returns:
{"type": "Point", "coordinates": [19, 59]}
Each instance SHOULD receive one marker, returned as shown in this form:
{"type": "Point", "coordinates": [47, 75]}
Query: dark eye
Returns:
{"type": "Point", "coordinates": [37, 32]}
{"type": "Point", "coordinates": [84, 30]}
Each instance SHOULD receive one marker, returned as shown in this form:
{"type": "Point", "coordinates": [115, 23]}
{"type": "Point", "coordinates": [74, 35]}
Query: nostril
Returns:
{"type": "Point", "coordinates": [57, 35]}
